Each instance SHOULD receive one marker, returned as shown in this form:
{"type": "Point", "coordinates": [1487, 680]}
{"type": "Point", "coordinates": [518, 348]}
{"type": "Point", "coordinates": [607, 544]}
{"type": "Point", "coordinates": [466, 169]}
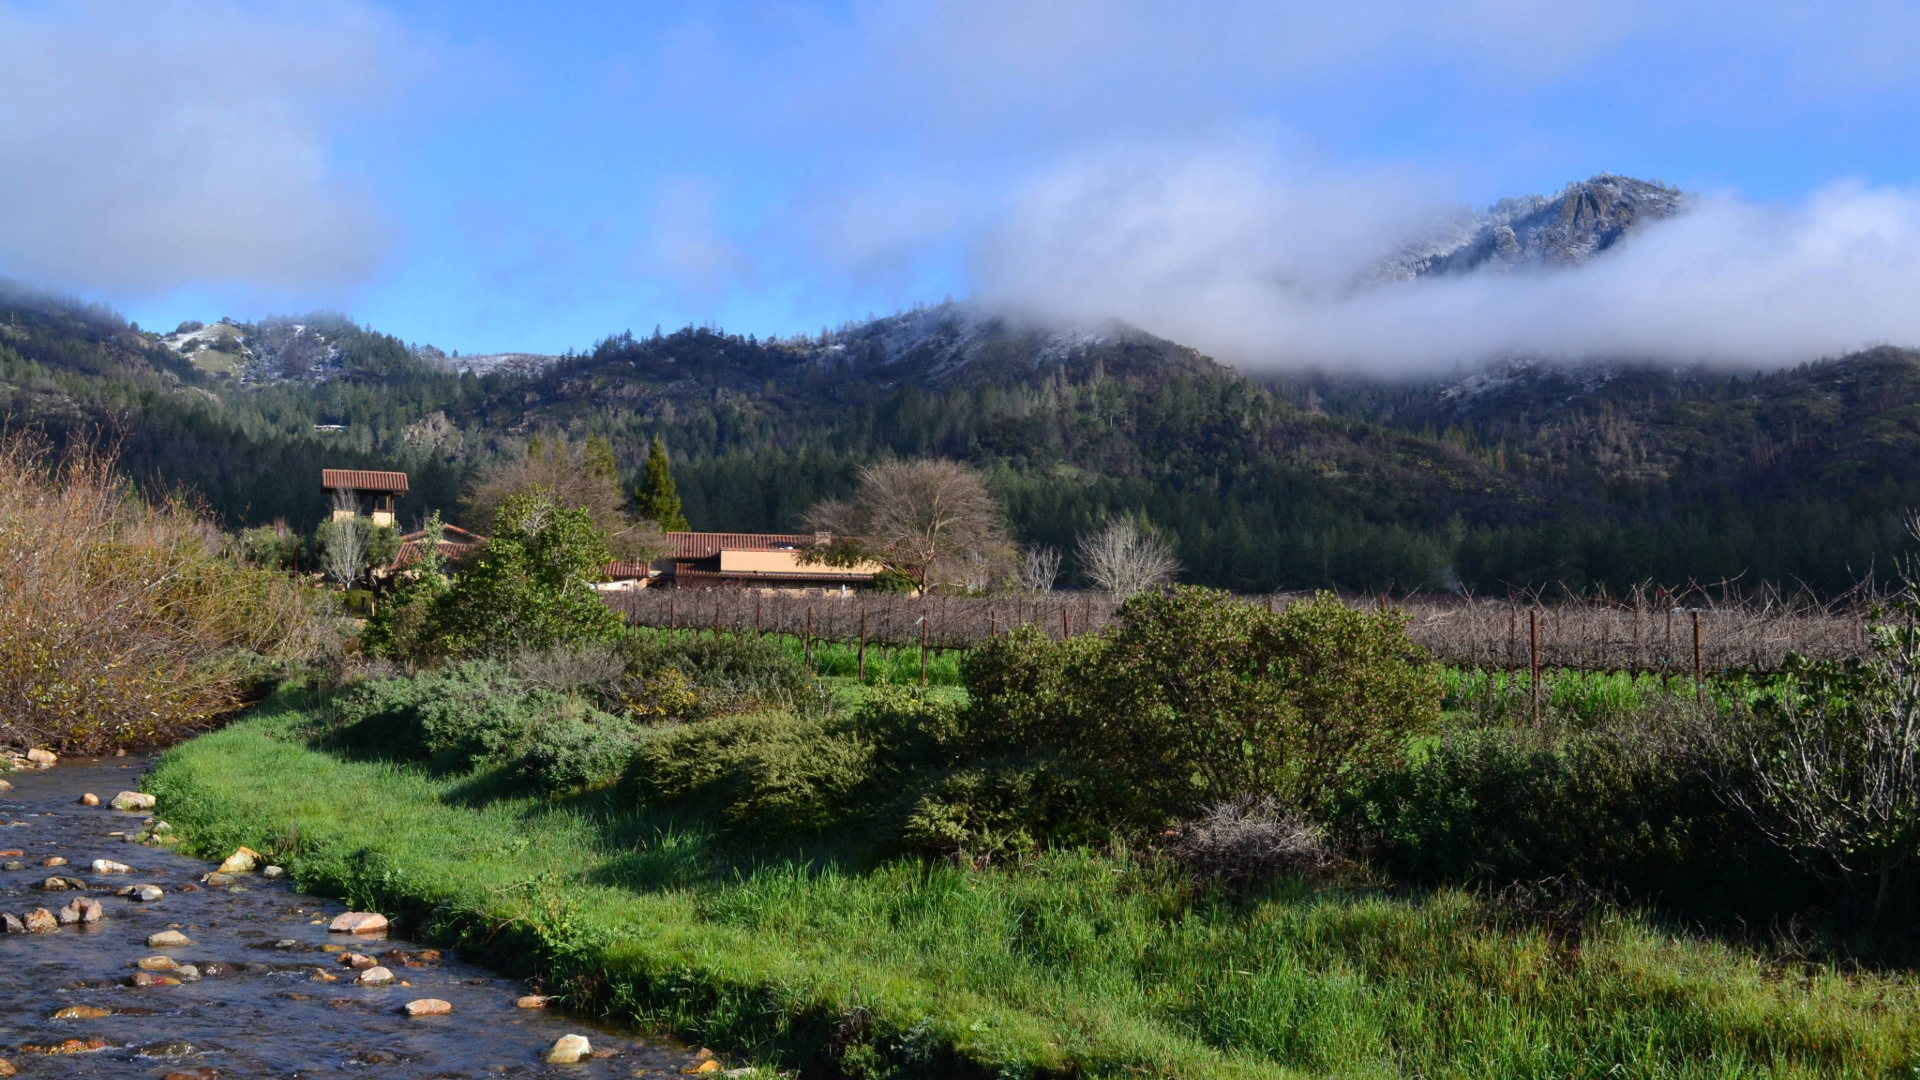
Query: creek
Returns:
{"type": "Point", "coordinates": [275, 995]}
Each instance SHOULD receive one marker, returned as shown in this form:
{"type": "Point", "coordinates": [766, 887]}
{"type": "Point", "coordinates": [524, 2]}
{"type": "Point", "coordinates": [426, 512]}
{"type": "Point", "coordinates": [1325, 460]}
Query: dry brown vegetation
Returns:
{"type": "Point", "coordinates": [121, 621]}
{"type": "Point", "coordinates": [578, 476]}
{"type": "Point", "coordinates": [1649, 631]}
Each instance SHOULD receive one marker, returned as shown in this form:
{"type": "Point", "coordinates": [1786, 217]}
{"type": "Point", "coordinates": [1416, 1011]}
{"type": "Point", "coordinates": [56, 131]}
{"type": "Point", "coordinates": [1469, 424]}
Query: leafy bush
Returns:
{"type": "Point", "coordinates": [271, 547]}
{"type": "Point", "coordinates": [1618, 809]}
{"type": "Point", "coordinates": [731, 665]}
{"type": "Point", "coordinates": [530, 587]}
{"type": "Point", "coordinates": [124, 622]}
{"type": "Point", "coordinates": [578, 749]}
{"type": "Point", "coordinates": [476, 713]}
{"type": "Point", "coordinates": [1197, 697]}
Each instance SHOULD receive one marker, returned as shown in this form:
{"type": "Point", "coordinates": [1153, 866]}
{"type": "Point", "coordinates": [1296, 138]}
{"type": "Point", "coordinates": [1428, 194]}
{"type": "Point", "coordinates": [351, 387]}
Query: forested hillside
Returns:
{"type": "Point", "coordinates": [1521, 474]}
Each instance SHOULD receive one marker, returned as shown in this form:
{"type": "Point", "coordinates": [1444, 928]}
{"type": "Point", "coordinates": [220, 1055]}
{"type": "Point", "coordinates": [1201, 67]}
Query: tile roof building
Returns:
{"type": "Point", "coordinates": [361, 487]}
{"type": "Point", "coordinates": [772, 560]}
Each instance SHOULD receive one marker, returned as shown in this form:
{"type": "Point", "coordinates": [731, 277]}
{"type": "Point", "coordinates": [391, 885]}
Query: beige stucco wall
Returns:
{"type": "Point", "coordinates": [786, 562]}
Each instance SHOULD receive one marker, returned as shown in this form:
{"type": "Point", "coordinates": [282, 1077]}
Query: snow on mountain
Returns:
{"type": "Point", "coordinates": [509, 363]}
{"type": "Point", "coordinates": [1567, 229]}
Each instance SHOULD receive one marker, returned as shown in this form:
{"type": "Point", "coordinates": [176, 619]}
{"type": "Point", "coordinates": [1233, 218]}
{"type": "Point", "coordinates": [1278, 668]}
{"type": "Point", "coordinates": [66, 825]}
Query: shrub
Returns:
{"type": "Point", "coordinates": [1829, 769]}
{"type": "Point", "coordinates": [577, 749]}
{"type": "Point", "coordinates": [735, 665]}
{"type": "Point", "coordinates": [123, 622]}
{"type": "Point", "coordinates": [477, 713]}
{"type": "Point", "coordinates": [776, 774]}
{"type": "Point", "coordinates": [530, 587]}
{"type": "Point", "coordinates": [1196, 698]}
{"type": "Point", "coordinates": [1619, 809]}
{"type": "Point", "coordinates": [271, 547]}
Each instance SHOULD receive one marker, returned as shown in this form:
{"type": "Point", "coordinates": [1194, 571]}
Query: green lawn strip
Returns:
{"type": "Point", "coordinates": [508, 882]}
{"type": "Point", "coordinates": [1076, 963]}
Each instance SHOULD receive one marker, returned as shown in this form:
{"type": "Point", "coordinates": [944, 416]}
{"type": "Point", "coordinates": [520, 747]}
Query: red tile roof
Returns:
{"type": "Point", "coordinates": [455, 544]}
{"type": "Point", "coordinates": [362, 480]}
{"type": "Point", "coordinates": [705, 545]}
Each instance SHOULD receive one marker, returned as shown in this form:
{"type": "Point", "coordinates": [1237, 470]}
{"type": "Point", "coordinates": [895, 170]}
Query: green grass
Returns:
{"type": "Point", "coordinates": [1080, 962]}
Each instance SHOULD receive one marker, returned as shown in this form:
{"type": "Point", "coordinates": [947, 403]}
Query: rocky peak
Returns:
{"type": "Point", "coordinates": [1562, 230]}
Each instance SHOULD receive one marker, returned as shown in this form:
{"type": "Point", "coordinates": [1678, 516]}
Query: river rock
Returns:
{"type": "Point", "coordinates": [41, 921]}
{"type": "Point", "coordinates": [202, 1072]}
{"type": "Point", "coordinates": [375, 976]}
{"type": "Point", "coordinates": [54, 884]}
{"type": "Point", "coordinates": [80, 909]}
{"type": "Point", "coordinates": [568, 1049]}
{"type": "Point", "coordinates": [217, 880]}
{"type": "Point", "coordinates": [5, 786]}
{"type": "Point", "coordinates": [108, 866]}
{"type": "Point", "coordinates": [150, 978]}
{"type": "Point", "coordinates": [45, 759]}
{"type": "Point", "coordinates": [429, 1007]}
{"type": "Point", "coordinates": [53, 860]}
{"type": "Point", "coordinates": [147, 894]}
{"type": "Point", "coordinates": [186, 973]}
{"type": "Point", "coordinates": [13, 924]}
{"type": "Point", "coordinates": [13, 864]}
{"type": "Point", "coordinates": [156, 963]}
{"type": "Point", "coordinates": [168, 939]}
{"type": "Point", "coordinates": [89, 799]}
{"type": "Point", "coordinates": [213, 969]}
{"type": "Point", "coordinates": [242, 859]}
{"type": "Point", "coordinates": [272, 872]}
{"type": "Point", "coordinates": [358, 922]}
{"type": "Point", "coordinates": [133, 800]}
{"type": "Point", "coordinates": [532, 1001]}
{"type": "Point", "coordinates": [6, 1067]}
{"type": "Point", "coordinates": [358, 962]}
{"type": "Point", "coordinates": [82, 1012]}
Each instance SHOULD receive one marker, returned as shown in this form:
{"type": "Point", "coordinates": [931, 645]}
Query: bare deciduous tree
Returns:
{"type": "Point", "coordinates": [1835, 769]}
{"type": "Point", "coordinates": [578, 478]}
{"type": "Point", "coordinates": [344, 553]}
{"type": "Point", "coordinates": [1124, 559]}
{"type": "Point", "coordinates": [1039, 569]}
{"type": "Point", "coordinates": [932, 520]}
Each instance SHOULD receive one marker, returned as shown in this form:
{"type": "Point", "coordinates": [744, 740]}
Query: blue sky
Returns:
{"type": "Point", "coordinates": [493, 176]}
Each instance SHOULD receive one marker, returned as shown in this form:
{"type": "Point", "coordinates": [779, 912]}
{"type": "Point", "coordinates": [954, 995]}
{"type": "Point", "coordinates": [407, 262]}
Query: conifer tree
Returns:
{"type": "Point", "coordinates": [659, 502]}
{"type": "Point", "coordinates": [598, 459]}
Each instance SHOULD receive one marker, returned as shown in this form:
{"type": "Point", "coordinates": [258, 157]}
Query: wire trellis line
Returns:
{"type": "Point", "coordinates": [1649, 630]}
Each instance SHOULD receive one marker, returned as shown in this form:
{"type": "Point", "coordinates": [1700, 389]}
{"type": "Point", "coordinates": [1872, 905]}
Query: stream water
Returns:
{"type": "Point", "coordinates": [273, 997]}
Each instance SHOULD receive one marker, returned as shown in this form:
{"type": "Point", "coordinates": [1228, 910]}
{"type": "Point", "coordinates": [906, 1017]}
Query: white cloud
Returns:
{"type": "Point", "coordinates": [149, 146]}
{"type": "Point", "coordinates": [1262, 266]}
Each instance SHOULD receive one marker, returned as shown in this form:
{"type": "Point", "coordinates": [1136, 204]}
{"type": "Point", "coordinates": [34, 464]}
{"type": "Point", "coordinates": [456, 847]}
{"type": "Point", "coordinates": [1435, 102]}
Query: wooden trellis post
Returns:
{"type": "Point", "coordinates": [1699, 663]}
{"type": "Point", "coordinates": [1533, 628]}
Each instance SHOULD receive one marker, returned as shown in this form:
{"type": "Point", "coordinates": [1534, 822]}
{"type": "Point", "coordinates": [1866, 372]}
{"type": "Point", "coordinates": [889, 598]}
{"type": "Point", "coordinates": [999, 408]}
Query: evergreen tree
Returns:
{"type": "Point", "coordinates": [598, 459]}
{"type": "Point", "coordinates": [659, 502]}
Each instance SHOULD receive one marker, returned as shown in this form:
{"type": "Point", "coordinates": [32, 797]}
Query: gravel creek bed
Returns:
{"type": "Point", "coordinates": [263, 1005]}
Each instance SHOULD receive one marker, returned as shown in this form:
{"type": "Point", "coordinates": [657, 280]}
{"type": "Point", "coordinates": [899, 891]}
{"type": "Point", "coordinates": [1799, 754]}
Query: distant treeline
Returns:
{"type": "Point", "coordinates": [1800, 478]}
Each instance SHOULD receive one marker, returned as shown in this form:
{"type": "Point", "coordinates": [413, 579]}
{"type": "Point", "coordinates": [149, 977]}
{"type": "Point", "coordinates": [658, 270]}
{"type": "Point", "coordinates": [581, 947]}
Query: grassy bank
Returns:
{"type": "Point", "coordinates": [1073, 962]}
